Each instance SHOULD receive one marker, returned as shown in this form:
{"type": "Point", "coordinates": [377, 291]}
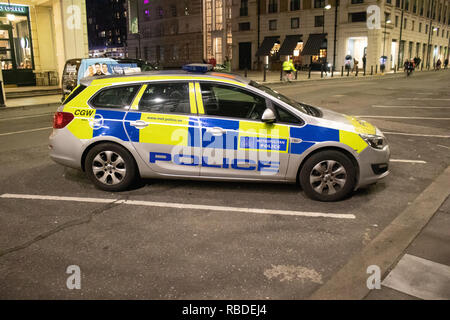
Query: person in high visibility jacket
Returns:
{"type": "Point", "coordinates": [288, 67]}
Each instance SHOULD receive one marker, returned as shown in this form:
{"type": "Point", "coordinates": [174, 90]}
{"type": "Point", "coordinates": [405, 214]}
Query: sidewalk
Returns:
{"type": "Point", "coordinates": [423, 272]}
{"type": "Point", "coordinates": [32, 102]}
{"type": "Point", "coordinates": [273, 77]}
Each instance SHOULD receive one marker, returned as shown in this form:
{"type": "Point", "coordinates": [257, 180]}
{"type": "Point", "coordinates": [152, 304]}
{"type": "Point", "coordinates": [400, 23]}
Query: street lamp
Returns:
{"type": "Point", "coordinates": [384, 40]}
{"type": "Point", "coordinates": [327, 7]}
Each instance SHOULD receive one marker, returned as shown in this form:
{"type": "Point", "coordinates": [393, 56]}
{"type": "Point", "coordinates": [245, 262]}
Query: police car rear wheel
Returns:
{"type": "Point", "coordinates": [110, 167]}
{"type": "Point", "coordinates": [328, 176]}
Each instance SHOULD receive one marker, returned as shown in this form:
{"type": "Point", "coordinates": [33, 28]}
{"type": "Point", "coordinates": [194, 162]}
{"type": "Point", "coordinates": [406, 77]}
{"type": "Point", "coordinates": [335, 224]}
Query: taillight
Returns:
{"type": "Point", "coordinates": [62, 119]}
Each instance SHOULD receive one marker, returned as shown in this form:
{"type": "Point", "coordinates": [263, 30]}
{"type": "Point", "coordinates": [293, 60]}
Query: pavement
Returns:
{"type": "Point", "coordinates": [52, 217]}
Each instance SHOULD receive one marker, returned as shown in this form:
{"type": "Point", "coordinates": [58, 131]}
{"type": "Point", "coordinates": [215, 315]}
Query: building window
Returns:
{"type": "Point", "coordinates": [426, 28]}
{"type": "Point", "coordinates": [389, 1]}
{"type": "Point", "coordinates": [272, 24]}
{"type": "Point", "coordinates": [397, 3]}
{"type": "Point", "coordinates": [319, 3]}
{"type": "Point", "coordinates": [420, 26]}
{"type": "Point", "coordinates": [295, 5]}
{"type": "Point", "coordinates": [415, 6]}
{"type": "Point", "coordinates": [160, 12]}
{"type": "Point", "coordinates": [396, 21]}
{"type": "Point", "coordinates": [273, 6]}
{"type": "Point", "coordinates": [358, 16]}
{"type": "Point", "coordinates": [173, 9]}
{"type": "Point", "coordinates": [295, 23]}
{"type": "Point", "coordinates": [407, 5]}
{"type": "Point", "coordinates": [357, 1]}
{"type": "Point", "coordinates": [412, 25]}
{"type": "Point", "coordinates": [244, 26]}
{"type": "Point", "coordinates": [318, 21]}
{"type": "Point", "coordinates": [405, 23]}
{"type": "Point", "coordinates": [244, 8]}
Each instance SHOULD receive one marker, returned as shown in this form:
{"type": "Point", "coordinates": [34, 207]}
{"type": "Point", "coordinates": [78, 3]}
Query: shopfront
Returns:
{"type": "Point", "coordinates": [16, 45]}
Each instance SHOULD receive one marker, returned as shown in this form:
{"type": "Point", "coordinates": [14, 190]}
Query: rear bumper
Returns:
{"type": "Point", "coordinates": [65, 148]}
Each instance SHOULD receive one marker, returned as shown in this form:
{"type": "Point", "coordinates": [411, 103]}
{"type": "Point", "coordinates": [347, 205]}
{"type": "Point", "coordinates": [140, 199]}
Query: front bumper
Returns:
{"type": "Point", "coordinates": [374, 165]}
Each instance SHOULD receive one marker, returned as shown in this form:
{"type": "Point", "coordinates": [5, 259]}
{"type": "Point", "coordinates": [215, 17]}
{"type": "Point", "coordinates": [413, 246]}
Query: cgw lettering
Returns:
{"type": "Point", "coordinates": [84, 113]}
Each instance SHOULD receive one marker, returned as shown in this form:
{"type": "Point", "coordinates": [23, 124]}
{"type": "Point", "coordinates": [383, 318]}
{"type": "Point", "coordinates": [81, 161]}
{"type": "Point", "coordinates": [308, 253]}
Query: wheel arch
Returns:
{"type": "Point", "coordinates": [349, 154]}
{"type": "Point", "coordinates": [98, 142]}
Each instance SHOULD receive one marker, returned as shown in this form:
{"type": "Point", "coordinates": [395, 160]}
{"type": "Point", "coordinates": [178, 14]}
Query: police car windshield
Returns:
{"type": "Point", "coordinates": [281, 97]}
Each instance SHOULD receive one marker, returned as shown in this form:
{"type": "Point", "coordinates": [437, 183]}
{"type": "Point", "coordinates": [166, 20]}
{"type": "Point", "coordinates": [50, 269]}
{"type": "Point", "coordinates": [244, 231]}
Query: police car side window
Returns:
{"type": "Point", "coordinates": [166, 98]}
{"type": "Point", "coordinates": [115, 97]}
{"type": "Point", "coordinates": [228, 101]}
{"type": "Point", "coordinates": [287, 117]}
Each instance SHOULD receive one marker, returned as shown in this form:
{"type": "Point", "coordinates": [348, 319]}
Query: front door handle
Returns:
{"type": "Point", "coordinates": [139, 124]}
{"type": "Point", "coordinates": [216, 131]}
{"type": "Point", "coordinates": [296, 140]}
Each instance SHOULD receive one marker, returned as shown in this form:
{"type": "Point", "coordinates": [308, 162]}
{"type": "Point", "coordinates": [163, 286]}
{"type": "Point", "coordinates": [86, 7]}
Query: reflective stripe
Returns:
{"type": "Point", "coordinates": [353, 140]}
{"type": "Point", "coordinates": [192, 98]}
{"type": "Point", "coordinates": [135, 104]}
{"type": "Point", "coordinates": [198, 92]}
{"type": "Point", "coordinates": [137, 79]}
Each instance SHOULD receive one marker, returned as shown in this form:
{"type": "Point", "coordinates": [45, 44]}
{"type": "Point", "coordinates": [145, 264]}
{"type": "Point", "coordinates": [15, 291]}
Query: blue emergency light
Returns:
{"type": "Point", "coordinates": [198, 67]}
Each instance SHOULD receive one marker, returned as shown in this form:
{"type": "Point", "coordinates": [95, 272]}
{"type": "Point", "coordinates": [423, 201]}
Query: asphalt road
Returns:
{"type": "Point", "coordinates": [140, 252]}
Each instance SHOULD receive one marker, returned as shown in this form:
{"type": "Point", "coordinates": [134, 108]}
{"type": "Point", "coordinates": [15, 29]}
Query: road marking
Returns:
{"type": "Point", "coordinates": [424, 99]}
{"type": "Point", "coordinates": [27, 117]}
{"type": "Point", "coordinates": [409, 107]}
{"type": "Point", "coordinates": [408, 161]}
{"type": "Point", "coordinates": [416, 134]}
{"type": "Point", "coordinates": [24, 131]}
{"type": "Point", "coordinates": [420, 278]}
{"type": "Point", "coordinates": [180, 206]}
{"type": "Point", "coordinates": [398, 117]}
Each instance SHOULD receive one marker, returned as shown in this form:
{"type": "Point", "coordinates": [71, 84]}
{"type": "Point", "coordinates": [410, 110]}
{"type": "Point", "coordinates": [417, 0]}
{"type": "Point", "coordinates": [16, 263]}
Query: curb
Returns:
{"type": "Point", "coordinates": [30, 107]}
{"type": "Point", "coordinates": [349, 283]}
{"type": "Point", "coordinates": [398, 74]}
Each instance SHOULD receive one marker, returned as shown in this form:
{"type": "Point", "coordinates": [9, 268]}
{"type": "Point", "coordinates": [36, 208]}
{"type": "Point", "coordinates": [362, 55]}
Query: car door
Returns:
{"type": "Point", "coordinates": [163, 127]}
{"type": "Point", "coordinates": [236, 143]}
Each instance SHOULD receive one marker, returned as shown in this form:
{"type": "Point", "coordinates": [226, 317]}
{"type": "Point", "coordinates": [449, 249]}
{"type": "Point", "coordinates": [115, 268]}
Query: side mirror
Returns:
{"type": "Point", "coordinates": [268, 116]}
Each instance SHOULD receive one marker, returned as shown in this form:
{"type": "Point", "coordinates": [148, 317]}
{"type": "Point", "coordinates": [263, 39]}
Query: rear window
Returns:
{"type": "Point", "coordinates": [74, 93]}
{"type": "Point", "coordinates": [115, 97]}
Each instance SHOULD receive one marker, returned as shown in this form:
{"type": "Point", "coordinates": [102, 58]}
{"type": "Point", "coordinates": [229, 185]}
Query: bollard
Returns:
{"type": "Point", "coordinates": [265, 72]}
{"type": "Point", "coordinates": [245, 73]}
{"type": "Point", "coordinates": [321, 71]}
{"type": "Point", "coordinates": [296, 74]}
{"type": "Point", "coordinates": [376, 69]}
{"type": "Point", "coordinates": [281, 74]}
{"type": "Point", "coordinates": [364, 70]}
{"type": "Point", "coordinates": [356, 73]}
{"type": "Point", "coordinates": [395, 68]}
{"type": "Point", "coordinates": [2, 96]}
{"type": "Point", "coordinates": [332, 71]}
{"type": "Point", "coordinates": [371, 70]}
{"type": "Point", "coordinates": [309, 73]}
{"type": "Point", "coordinates": [342, 71]}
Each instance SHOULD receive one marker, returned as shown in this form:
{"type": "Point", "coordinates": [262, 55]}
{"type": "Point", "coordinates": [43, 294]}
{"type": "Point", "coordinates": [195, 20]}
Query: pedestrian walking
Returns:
{"type": "Point", "coordinates": [288, 68]}
{"type": "Point", "coordinates": [438, 64]}
{"type": "Point", "coordinates": [355, 65]}
{"type": "Point", "coordinates": [364, 60]}
{"type": "Point", "coordinates": [445, 63]}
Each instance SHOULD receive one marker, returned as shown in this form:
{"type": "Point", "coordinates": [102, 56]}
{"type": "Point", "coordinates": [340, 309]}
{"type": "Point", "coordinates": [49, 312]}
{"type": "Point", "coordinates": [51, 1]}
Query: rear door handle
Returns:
{"type": "Point", "coordinates": [139, 124]}
{"type": "Point", "coordinates": [216, 131]}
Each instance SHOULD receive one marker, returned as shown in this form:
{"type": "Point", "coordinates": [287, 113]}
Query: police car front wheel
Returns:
{"type": "Point", "coordinates": [110, 167]}
{"type": "Point", "coordinates": [328, 176]}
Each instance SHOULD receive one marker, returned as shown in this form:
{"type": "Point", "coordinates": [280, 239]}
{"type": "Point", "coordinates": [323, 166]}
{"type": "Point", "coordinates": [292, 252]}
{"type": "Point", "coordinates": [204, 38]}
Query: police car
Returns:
{"type": "Point", "coordinates": [197, 124]}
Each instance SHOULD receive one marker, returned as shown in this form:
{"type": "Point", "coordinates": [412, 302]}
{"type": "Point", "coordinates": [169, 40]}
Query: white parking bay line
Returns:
{"type": "Point", "coordinates": [408, 161]}
{"type": "Point", "coordinates": [416, 134]}
{"type": "Point", "coordinates": [408, 107]}
{"type": "Point", "coordinates": [398, 117]}
{"type": "Point", "coordinates": [24, 131]}
{"type": "Point", "coordinates": [424, 99]}
{"type": "Point", "coordinates": [180, 206]}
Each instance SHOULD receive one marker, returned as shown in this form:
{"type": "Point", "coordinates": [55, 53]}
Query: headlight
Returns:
{"type": "Point", "coordinates": [375, 141]}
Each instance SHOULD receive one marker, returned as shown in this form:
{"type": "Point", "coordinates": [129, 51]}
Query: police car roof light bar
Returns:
{"type": "Point", "coordinates": [198, 67]}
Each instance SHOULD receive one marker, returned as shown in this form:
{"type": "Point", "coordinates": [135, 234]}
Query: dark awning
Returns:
{"type": "Point", "coordinates": [289, 44]}
{"type": "Point", "coordinates": [266, 46]}
{"type": "Point", "coordinates": [313, 45]}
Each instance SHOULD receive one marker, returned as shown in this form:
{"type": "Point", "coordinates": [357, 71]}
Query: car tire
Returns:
{"type": "Point", "coordinates": [328, 176]}
{"type": "Point", "coordinates": [110, 167]}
